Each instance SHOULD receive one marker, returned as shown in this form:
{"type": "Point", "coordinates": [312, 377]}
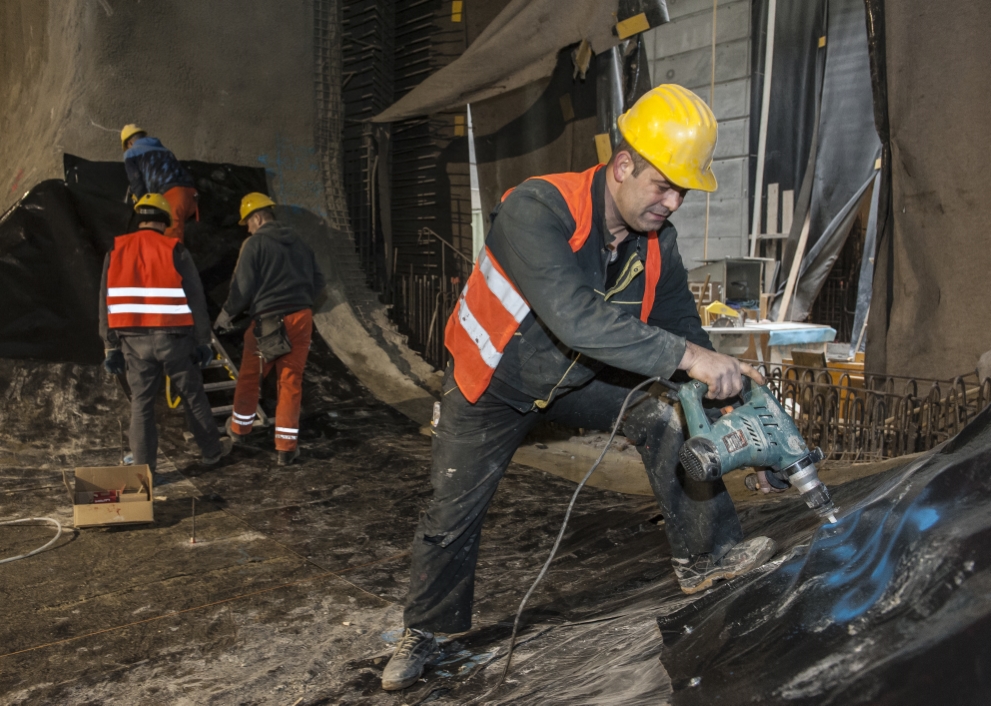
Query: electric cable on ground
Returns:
{"type": "Point", "coordinates": [564, 525]}
{"type": "Point", "coordinates": [39, 549]}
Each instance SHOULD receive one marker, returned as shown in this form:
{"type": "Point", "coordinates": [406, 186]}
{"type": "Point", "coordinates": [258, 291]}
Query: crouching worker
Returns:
{"type": "Point", "coordinates": [579, 272]}
{"type": "Point", "coordinates": [277, 280]}
{"type": "Point", "coordinates": [154, 322]}
{"type": "Point", "coordinates": [153, 168]}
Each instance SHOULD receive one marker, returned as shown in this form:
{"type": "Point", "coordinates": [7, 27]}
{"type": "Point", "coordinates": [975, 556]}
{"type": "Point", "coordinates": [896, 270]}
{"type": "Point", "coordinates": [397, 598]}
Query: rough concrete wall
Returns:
{"type": "Point", "coordinates": [38, 83]}
{"type": "Point", "coordinates": [681, 52]}
{"type": "Point", "coordinates": [224, 81]}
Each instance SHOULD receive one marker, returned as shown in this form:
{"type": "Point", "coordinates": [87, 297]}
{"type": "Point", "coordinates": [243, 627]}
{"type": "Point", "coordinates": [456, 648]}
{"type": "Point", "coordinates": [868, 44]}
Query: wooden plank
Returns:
{"type": "Point", "coordinates": [772, 208]}
{"type": "Point", "coordinates": [787, 210]}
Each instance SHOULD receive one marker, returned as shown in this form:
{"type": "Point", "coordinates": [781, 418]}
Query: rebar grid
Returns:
{"type": "Point", "coordinates": [862, 417]}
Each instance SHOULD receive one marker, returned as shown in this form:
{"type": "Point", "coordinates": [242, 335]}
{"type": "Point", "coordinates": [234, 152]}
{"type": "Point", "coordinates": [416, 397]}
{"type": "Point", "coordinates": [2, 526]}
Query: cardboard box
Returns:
{"type": "Point", "coordinates": [132, 485]}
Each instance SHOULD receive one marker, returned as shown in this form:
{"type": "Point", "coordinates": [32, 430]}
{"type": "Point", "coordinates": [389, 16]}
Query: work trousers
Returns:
{"type": "Point", "coordinates": [182, 199]}
{"type": "Point", "coordinates": [289, 372]}
{"type": "Point", "coordinates": [472, 447]}
{"type": "Point", "coordinates": [148, 357]}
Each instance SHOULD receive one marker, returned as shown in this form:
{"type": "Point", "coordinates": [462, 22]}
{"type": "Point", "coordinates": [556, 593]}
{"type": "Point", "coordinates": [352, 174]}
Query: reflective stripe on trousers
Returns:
{"type": "Point", "coordinates": [289, 374]}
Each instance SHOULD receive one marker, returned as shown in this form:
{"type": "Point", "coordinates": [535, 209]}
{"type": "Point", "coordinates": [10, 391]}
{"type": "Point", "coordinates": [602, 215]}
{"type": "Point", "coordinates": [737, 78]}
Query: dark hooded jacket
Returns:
{"type": "Point", "coordinates": [276, 273]}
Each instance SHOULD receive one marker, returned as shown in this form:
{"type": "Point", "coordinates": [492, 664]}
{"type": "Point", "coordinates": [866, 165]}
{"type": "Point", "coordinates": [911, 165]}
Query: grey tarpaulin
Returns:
{"type": "Point", "coordinates": [545, 127]}
{"type": "Point", "coordinates": [847, 149]}
{"type": "Point", "coordinates": [518, 47]}
{"type": "Point", "coordinates": [929, 315]}
{"type": "Point", "coordinates": [866, 281]}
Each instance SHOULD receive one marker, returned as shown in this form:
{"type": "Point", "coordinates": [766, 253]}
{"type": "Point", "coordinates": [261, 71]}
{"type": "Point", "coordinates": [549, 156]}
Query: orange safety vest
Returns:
{"type": "Point", "coordinates": [491, 309]}
{"type": "Point", "coordinates": [144, 289]}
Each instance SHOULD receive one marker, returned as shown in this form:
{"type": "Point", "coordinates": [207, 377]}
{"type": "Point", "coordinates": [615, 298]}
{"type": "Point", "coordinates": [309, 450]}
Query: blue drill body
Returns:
{"type": "Point", "coordinates": [758, 433]}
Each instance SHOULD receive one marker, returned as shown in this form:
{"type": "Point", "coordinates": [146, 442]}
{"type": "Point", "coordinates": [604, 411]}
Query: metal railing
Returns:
{"type": "Point", "coordinates": [861, 417]}
{"type": "Point", "coordinates": [422, 303]}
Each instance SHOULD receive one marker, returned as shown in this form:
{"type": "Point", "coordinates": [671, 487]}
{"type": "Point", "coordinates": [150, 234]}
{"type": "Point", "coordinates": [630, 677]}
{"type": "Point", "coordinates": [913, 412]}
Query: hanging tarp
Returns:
{"type": "Point", "coordinates": [846, 152]}
{"type": "Point", "coordinates": [518, 47]}
{"type": "Point", "coordinates": [929, 316]}
{"type": "Point", "coordinates": [795, 82]}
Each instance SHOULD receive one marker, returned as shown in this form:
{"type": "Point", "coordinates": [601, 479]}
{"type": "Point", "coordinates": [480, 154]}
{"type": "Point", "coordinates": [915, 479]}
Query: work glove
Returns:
{"type": "Point", "coordinates": [223, 323]}
{"type": "Point", "coordinates": [203, 355]}
{"type": "Point", "coordinates": [114, 361]}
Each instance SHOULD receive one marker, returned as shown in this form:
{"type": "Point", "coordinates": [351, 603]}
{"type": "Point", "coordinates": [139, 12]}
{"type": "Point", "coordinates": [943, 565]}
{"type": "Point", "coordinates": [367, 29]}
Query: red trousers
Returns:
{"type": "Point", "coordinates": [288, 368]}
{"type": "Point", "coordinates": [182, 199]}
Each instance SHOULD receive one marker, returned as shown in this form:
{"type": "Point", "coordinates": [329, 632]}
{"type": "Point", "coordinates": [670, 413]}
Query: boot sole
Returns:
{"type": "Point", "coordinates": [758, 562]}
{"type": "Point", "coordinates": [397, 685]}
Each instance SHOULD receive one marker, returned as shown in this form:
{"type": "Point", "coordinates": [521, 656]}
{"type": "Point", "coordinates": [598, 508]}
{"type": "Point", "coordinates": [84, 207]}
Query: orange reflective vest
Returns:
{"type": "Point", "coordinates": [144, 289]}
{"type": "Point", "coordinates": [491, 308]}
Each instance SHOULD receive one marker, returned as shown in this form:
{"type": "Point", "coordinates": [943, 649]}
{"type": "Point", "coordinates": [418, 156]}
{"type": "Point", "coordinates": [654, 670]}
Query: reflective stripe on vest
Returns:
{"type": "Point", "coordinates": [490, 308]}
{"type": "Point", "coordinates": [144, 289]}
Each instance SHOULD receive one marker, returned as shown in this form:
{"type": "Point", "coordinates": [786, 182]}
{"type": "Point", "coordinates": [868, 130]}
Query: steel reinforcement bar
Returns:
{"type": "Point", "coordinates": [861, 417]}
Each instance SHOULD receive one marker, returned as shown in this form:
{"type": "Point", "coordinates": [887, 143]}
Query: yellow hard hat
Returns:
{"type": "Point", "coordinates": [253, 202]}
{"type": "Point", "coordinates": [127, 133]}
{"type": "Point", "coordinates": [153, 201]}
{"type": "Point", "coordinates": [674, 130]}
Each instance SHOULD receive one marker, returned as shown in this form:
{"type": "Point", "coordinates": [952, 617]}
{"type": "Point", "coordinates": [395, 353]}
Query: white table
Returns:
{"type": "Point", "coordinates": [767, 340]}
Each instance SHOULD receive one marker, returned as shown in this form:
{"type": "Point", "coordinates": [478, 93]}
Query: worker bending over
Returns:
{"type": "Point", "coordinates": [154, 321]}
{"type": "Point", "coordinates": [153, 169]}
{"type": "Point", "coordinates": [580, 280]}
{"type": "Point", "coordinates": [277, 280]}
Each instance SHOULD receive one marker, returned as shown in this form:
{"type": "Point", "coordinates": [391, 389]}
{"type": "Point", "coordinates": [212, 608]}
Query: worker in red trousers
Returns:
{"type": "Point", "coordinates": [277, 281]}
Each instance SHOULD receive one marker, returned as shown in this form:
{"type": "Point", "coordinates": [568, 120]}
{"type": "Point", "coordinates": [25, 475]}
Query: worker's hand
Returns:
{"type": "Point", "coordinates": [113, 363]}
{"type": "Point", "coordinates": [721, 373]}
{"type": "Point", "coordinates": [203, 355]}
{"type": "Point", "coordinates": [223, 323]}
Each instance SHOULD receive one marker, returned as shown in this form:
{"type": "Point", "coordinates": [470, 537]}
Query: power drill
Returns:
{"type": "Point", "coordinates": [757, 433]}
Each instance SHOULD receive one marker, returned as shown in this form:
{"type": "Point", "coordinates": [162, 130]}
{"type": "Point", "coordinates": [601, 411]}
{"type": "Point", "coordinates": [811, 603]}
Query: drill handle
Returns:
{"type": "Point", "coordinates": [690, 395]}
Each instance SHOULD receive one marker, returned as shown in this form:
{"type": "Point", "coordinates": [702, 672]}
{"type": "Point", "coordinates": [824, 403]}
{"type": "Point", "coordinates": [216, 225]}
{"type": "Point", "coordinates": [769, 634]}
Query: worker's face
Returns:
{"type": "Point", "coordinates": [647, 200]}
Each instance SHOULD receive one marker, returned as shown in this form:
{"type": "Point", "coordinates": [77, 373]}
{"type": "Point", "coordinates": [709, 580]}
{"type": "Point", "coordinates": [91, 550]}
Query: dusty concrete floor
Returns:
{"type": "Point", "coordinates": [291, 593]}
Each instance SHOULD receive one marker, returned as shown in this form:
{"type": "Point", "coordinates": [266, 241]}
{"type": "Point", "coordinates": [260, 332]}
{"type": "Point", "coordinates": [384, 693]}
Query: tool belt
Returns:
{"type": "Point", "coordinates": [270, 333]}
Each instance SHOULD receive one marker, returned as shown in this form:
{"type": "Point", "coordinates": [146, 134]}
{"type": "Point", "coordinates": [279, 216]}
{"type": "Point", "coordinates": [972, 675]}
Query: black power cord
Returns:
{"type": "Point", "coordinates": [564, 525]}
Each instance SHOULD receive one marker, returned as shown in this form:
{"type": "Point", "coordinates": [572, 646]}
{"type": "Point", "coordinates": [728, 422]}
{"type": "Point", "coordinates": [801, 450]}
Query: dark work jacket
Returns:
{"type": "Point", "coordinates": [276, 273]}
{"type": "Point", "coordinates": [580, 321]}
{"type": "Point", "coordinates": [153, 169]}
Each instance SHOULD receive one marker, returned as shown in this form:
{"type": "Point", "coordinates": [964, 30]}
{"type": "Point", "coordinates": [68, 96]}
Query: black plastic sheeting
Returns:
{"type": "Point", "coordinates": [52, 244]}
{"type": "Point", "coordinates": [49, 279]}
{"type": "Point", "coordinates": [891, 605]}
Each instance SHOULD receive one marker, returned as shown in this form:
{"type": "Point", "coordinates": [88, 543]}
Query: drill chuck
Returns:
{"type": "Point", "coordinates": [803, 476]}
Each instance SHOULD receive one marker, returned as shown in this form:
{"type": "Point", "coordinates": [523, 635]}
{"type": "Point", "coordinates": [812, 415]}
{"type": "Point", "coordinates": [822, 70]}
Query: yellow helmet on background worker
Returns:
{"type": "Point", "coordinates": [152, 207]}
{"type": "Point", "coordinates": [129, 131]}
{"type": "Point", "coordinates": [674, 130]}
{"type": "Point", "coordinates": [255, 201]}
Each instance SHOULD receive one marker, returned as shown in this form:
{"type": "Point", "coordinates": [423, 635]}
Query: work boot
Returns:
{"type": "Point", "coordinates": [226, 444]}
{"type": "Point", "coordinates": [700, 572]}
{"type": "Point", "coordinates": [412, 654]}
{"type": "Point", "coordinates": [287, 457]}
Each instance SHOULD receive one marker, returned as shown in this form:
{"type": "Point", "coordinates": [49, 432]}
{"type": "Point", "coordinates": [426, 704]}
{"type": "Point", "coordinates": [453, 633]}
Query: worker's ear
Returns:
{"type": "Point", "coordinates": [622, 166]}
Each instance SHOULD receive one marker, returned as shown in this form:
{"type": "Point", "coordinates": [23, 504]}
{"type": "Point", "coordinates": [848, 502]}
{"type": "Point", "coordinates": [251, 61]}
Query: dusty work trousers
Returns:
{"type": "Point", "coordinates": [148, 357]}
{"type": "Point", "coordinates": [182, 199]}
{"type": "Point", "coordinates": [472, 447]}
{"type": "Point", "coordinates": [289, 371]}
